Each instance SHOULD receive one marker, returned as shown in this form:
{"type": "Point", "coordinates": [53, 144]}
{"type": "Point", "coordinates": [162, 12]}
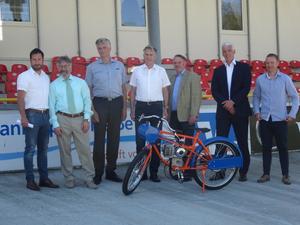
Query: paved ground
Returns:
{"type": "Point", "coordinates": [166, 203]}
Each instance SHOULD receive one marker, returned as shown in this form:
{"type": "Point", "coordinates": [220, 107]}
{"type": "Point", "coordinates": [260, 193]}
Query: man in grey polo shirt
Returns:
{"type": "Point", "coordinates": [106, 79]}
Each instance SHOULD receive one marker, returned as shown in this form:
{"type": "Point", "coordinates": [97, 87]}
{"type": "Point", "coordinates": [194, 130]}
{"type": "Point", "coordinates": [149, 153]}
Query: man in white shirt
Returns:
{"type": "Point", "coordinates": [33, 90]}
{"type": "Point", "coordinates": [149, 96]}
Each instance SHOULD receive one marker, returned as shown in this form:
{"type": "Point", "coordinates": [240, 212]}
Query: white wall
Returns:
{"type": "Point", "coordinates": [202, 20]}
{"type": "Point", "coordinates": [262, 28]}
{"type": "Point", "coordinates": [289, 32]}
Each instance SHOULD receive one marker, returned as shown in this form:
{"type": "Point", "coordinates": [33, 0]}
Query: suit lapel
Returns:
{"type": "Point", "coordinates": [183, 81]}
{"type": "Point", "coordinates": [225, 80]}
{"type": "Point", "coordinates": [234, 77]}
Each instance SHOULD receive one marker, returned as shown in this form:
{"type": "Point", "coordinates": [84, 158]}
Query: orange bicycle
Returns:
{"type": "Point", "coordinates": [213, 162]}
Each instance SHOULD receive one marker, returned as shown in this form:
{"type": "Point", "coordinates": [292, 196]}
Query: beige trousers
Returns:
{"type": "Point", "coordinates": [71, 127]}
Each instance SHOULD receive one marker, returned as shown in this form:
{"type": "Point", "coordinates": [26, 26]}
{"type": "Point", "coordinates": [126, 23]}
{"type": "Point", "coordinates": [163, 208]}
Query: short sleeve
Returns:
{"type": "Point", "coordinates": [22, 83]}
{"type": "Point", "coordinates": [165, 78]}
{"type": "Point", "coordinates": [124, 80]}
{"type": "Point", "coordinates": [133, 81]}
{"type": "Point", "coordinates": [89, 75]}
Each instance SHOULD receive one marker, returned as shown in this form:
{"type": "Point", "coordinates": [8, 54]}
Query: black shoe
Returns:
{"type": "Point", "coordinates": [97, 179]}
{"type": "Point", "coordinates": [243, 178]}
{"type": "Point", "coordinates": [113, 176]}
{"type": "Point", "coordinates": [154, 178]}
{"type": "Point", "coordinates": [218, 175]}
{"type": "Point", "coordinates": [32, 186]}
{"type": "Point", "coordinates": [145, 176]}
{"type": "Point", "coordinates": [48, 183]}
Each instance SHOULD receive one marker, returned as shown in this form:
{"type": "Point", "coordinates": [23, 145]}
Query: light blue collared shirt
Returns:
{"type": "Point", "coordinates": [106, 79]}
{"type": "Point", "coordinates": [176, 90]}
{"type": "Point", "coordinates": [58, 98]}
{"type": "Point", "coordinates": [272, 96]}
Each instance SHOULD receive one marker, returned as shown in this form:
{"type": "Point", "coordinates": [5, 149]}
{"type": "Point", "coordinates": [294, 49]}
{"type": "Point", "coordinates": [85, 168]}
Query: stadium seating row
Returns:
{"type": "Point", "coordinates": [199, 66]}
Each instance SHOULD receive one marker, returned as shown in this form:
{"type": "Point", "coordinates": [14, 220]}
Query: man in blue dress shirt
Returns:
{"type": "Point", "coordinates": [270, 96]}
{"type": "Point", "coordinates": [70, 112]}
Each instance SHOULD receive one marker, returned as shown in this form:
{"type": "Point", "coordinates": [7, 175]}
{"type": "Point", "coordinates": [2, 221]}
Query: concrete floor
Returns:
{"type": "Point", "coordinates": [162, 203]}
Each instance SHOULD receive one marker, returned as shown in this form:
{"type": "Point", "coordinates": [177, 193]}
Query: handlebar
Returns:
{"type": "Point", "coordinates": [165, 122]}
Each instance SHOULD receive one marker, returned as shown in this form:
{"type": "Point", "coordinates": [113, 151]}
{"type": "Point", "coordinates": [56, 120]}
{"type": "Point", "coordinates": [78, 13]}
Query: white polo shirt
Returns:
{"type": "Point", "coordinates": [36, 87]}
{"type": "Point", "coordinates": [149, 83]}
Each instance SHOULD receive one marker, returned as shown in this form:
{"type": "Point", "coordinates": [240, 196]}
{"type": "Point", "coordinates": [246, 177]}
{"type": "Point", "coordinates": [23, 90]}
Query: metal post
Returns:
{"type": "Point", "coordinates": [277, 28]}
{"type": "Point", "coordinates": [187, 47]}
{"type": "Point", "coordinates": [218, 29]}
{"type": "Point", "coordinates": [78, 29]}
{"type": "Point", "coordinates": [248, 31]}
{"type": "Point", "coordinates": [37, 23]}
{"type": "Point", "coordinates": [116, 28]}
{"type": "Point", "coordinates": [154, 26]}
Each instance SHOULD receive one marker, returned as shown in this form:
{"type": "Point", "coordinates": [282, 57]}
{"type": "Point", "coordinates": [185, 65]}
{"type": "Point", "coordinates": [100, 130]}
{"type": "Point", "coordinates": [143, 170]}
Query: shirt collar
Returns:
{"type": "Point", "coordinates": [181, 73]}
{"type": "Point", "coordinates": [146, 67]}
{"type": "Point", "coordinates": [71, 77]}
{"type": "Point", "coordinates": [111, 61]}
{"type": "Point", "coordinates": [278, 74]}
{"type": "Point", "coordinates": [35, 73]}
{"type": "Point", "coordinates": [233, 63]}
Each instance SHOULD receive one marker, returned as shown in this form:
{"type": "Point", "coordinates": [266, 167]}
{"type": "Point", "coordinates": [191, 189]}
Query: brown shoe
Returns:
{"type": "Point", "coordinates": [32, 186]}
{"type": "Point", "coordinates": [286, 180]}
{"type": "Point", "coordinates": [47, 183]}
{"type": "Point", "coordinates": [264, 178]}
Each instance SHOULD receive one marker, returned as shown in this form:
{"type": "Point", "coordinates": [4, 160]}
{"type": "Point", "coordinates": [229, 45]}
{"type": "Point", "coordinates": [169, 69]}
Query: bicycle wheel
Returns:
{"type": "Point", "coordinates": [135, 172]}
{"type": "Point", "coordinates": [218, 178]}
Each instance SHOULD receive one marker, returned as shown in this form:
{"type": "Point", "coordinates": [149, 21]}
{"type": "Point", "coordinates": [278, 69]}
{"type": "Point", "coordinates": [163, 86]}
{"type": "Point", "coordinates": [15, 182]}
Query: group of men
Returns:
{"type": "Point", "coordinates": [69, 104]}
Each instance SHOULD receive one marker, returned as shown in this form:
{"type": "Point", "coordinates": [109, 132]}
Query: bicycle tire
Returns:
{"type": "Point", "coordinates": [229, 173]}
{"type": "Point", "coordinates": [134, 171]}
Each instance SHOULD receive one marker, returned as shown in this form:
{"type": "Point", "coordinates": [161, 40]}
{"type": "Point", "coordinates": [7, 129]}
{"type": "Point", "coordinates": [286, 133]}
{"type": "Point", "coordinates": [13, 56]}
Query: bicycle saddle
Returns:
{"type": "Point", "coordinates": [202, 130]}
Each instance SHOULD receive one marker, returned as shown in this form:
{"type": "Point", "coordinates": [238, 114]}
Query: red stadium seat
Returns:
{"type": "Point", "coordinates": [204, 84]}
{"type": "Point", "coordinates": [257, 69]}
{"type": "Point", "coordinates": [285, 69]}
{"type": "Point", "coordinates": [3, 69]}
{"type": "Point", "coordinates": [93, 59]}
{"type": "Point", "coordinates": [283, 63]}
{"type": "Point", "coordinates": [54, 72]}
{"type": "Point", "coordinates": [253, 84]}
{"type": "Point", "coordinates": [79, 70]}
{"type": "Point", "coordinates": [46, 69]}
{"type": "Point", "coordinates": [167, 61]}
{"type": "Point", "coordinates": [200, 70]}
{"type": "Point", "coordinates": [118, 58]}
{"type": "Point", "coordinates": [296, 77]}
{"type": "Point", "coordinates": [18, 68]}
{"type": "Point", "coordinates": [245, 61]}
{"type": "Point", "coordinates": [200, 62]}
{"type": "Point", "coordinates": [78, 60]}
{"type": "Point", "coordinates": [255, 75]}
{"type": "Point", "coordinates": [12, 95]}
{"type": "Point", "coordinates": [12, 77]}
{"type": "Point", "coordinates": [216, 63]}
{"type": "Point", "coordinates": [133, 61]}
{"type": "Point", "coordinates": [257, 63]}
{"type": "Point", "coordinates": [295, 64]}
{"type": "Point", "coordinates": [10, 87]}
{"type": "Point", "coordinates": [298, 90]}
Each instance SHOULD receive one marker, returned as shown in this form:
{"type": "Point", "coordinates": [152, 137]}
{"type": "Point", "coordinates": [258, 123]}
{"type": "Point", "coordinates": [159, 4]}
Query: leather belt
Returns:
{"type": "Point", "coordinates": [71, 115]}
{"type": "Point", "coordinates": [108, 98]}
{"type": "Point", "coordinates": [38, 110]}
{"type": "Point", "coordinates": [150, 103]}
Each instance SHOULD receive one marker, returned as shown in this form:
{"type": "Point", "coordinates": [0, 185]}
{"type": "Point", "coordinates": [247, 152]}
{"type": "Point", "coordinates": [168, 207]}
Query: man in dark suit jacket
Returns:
{"type": "Point", "coordinates": [230, 87]}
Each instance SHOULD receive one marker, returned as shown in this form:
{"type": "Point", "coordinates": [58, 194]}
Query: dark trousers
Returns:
{"type": "Point", "coordinates": [110, 113]}
{"type": "Point", "coordinates": [268, 131]}
{"type": "Point", "coordinates": [152, 108]}
{"type": "Point", "coordinates": [184, 127]}
{"type": "Point", "coordinates": [240, 127]}
{"type": "Point", "coordinates": [38, 136]}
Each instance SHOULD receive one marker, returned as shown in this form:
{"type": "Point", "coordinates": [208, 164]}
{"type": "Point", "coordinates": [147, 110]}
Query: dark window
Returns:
{"type": "Point", "coordinates": [15, 10]}
{"type": "Point", "coordinates": [133, 13]}
{"type": "Point", "coordinates": [232, 15]}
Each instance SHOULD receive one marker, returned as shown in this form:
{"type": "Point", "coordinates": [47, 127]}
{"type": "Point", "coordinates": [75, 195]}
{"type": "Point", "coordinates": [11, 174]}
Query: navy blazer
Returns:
{"type": "Point", "coordinates": [240, 87]}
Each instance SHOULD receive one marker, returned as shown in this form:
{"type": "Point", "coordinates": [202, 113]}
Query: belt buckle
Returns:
{"type": "Point", "coordinates": [109, 99]}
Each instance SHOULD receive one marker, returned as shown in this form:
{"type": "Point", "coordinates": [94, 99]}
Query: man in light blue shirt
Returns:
{"type": "Point", "coordinates": [270, 97]}
{"type": "Point", "coordinates": [70, 112]}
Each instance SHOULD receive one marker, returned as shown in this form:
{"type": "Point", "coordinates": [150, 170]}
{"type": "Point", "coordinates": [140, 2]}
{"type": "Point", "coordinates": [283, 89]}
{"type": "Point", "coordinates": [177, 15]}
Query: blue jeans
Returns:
{"type": "Point", "coordinates": [36, 136]}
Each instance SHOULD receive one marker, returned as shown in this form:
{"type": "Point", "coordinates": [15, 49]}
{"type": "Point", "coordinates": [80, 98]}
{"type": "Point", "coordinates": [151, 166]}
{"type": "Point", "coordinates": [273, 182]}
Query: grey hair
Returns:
{"type": "Point", "coordinates": [103, 41]}
{"type": "Point", "coordinates": [149, 47]}
{"type": "Point", "coordinates": [64, 58]}
{"type": "Point", "coordinates": [228, 44]}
